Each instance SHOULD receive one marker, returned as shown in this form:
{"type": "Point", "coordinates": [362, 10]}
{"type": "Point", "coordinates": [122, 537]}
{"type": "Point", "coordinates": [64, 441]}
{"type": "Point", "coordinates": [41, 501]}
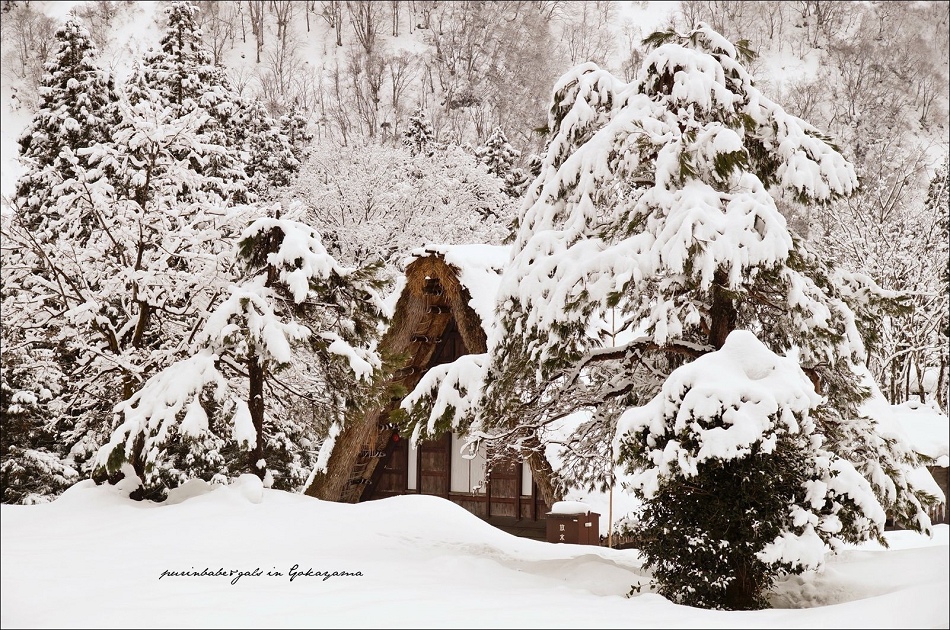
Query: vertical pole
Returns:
{"type": "Point", "coordinates": [610, 516]}
{"type": "Point", "coordinates": [519, 481]}
{"type": "Point", "coordinates": [610, 505]}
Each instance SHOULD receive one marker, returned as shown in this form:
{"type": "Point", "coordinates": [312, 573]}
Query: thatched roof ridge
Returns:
{"type": "Point", "coordinates": [414, 304]}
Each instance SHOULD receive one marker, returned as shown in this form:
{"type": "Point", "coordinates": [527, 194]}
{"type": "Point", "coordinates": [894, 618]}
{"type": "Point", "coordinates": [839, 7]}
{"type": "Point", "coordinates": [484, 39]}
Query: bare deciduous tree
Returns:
{"type": "Point", "coordinates": [218, 22]}
{"type": "Point", "coordinates": [366, 17]}
{"type": "Point", "coordinates": [256, 10]}
{"type": "Point", "coordinates": [550, 8]}
{"type": "Point", "coordinates": [366, 74]}
{"type": "Point", "coordinates": [332, 12]}
{"type": "Point", "coordinates": [28, 43]}
{"type": "Point", "coordinates": [403, 68]}
{"type": "Point", "coordinates": [823, 20]}
{"type": "Point", "coordinates": [585, 31]}
{"type": "Point", "coordinates": [284, 12]}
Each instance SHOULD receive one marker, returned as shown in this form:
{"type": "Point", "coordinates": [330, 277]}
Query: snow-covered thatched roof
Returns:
{"type": "Point", "coordinates": [442, 284]}
{"type": "Point", "coordinates": [477, 271]}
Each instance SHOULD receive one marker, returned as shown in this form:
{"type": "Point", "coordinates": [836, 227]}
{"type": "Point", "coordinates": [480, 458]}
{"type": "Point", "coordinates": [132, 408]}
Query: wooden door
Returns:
{"type": "Point", "coordinates": [434, 459]}
{"type": "Point", "coordinates": [504, 489]}
{"type": "Point", "coordinates": [391, 477]}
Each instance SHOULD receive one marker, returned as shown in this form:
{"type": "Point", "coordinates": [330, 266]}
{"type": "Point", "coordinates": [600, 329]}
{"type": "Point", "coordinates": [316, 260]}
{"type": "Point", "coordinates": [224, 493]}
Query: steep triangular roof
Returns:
{"type": "Point", "coordinates": [442, 284]}
{"type": "Point", "coordinates": [461, 278]}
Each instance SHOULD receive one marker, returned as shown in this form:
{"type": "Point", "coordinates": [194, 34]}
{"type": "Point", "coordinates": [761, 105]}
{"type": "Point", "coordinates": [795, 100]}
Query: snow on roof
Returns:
{"type": "Point", "coordinates": [480, 268]}
{"type": "Point", "coordinates": [926, 428]}
{"type": "Point", "coordinates": [570, 507]}
{"type": "Point", "coordinates": [922, 425]}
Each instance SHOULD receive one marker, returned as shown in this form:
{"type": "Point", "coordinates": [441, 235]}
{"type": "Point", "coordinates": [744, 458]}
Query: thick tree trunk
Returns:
{"type": "Point", "coordinates": [941, 385]}
{"type": "Point", "coordinates": [255, 404]}
{"type": "Point", "coordinates": [145, 315]}
{"type": "Point", "coordinates": [542, 472]}
{"type": "Point", "coordinates": [722, 314]}
{"type": "Point", "coordinates": [137, 458]}
{"type": "Point", "coordinates": [742, 592]}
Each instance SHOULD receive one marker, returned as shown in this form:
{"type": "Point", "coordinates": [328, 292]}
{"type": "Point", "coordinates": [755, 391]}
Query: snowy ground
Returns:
{"type": "Point", "coordinates": [95, 559]}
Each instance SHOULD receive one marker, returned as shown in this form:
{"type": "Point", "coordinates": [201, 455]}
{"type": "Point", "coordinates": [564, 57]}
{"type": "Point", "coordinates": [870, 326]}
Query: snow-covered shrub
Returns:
{"type": "Point", "coordinates": [737, 486]}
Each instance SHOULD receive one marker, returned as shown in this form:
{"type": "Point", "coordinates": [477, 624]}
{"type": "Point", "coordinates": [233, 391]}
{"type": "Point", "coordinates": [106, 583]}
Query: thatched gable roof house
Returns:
{"type": "Point", "coordinates": [443, 312]}
{"type": "Point", "coordinates": [927, 429]}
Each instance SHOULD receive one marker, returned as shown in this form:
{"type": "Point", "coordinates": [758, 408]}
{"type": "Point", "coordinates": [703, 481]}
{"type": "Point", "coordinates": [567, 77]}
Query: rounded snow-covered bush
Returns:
{"type": "Point", "coordinates": [736, 486]}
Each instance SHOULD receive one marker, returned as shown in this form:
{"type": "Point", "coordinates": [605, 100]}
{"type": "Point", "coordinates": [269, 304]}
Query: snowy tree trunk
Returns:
{"type": "Point", "coordinates": [892, 386]}
{"type": "Point", "coordinates": [338, 22]}
{"type": "Point", "coordinates": [542, 472]}
{"type": "Point", "coordinates": [742, 590]}
{"type": "Point", "coordinates": [906, 381]}
{"type": "Point", "coordinates": [722, 312]}
{"type": "Point", "coordinates": [137, 457]}
{"type": "Point", "coordinates": [941, 385]}
{"type": "Point", "coordinates": [255, 404]}
{"type": "Point", "coordinates": [257, 24]}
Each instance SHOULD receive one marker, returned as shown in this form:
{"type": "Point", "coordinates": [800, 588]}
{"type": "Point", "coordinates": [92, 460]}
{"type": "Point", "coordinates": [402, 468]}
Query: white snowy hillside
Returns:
{"type": "Point", "coordinates": [242, 556]}
{"type": "Point", "coordinates": [313, 50]}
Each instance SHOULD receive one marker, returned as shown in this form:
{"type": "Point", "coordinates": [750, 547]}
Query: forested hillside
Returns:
{"type": "Point", "coordinates": [212, 201]}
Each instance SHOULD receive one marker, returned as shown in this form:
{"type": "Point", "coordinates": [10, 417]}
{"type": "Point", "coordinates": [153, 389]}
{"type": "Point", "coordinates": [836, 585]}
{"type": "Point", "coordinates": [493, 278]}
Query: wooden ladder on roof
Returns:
{"type": "Point", "coordinates": [376, 450]}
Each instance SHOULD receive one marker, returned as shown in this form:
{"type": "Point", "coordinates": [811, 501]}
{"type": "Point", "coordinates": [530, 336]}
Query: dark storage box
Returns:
{"type": "Point", "coordinates": [578, 529]}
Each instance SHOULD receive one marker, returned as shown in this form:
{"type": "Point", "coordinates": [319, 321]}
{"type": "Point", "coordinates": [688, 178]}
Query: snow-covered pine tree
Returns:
{"type": "Point", "coordinates": [419, 133]}
{"type": "Point", "coordinates": [273, 158]}
{"type": "Point", "coordinates": [294, 126]}
{"type": "Point", "coordinates": [737, 487]}
{"type": "Point", "coordinates": [296, 324]}
{"type": "Point", "coordinates": [651, 234]}
{"type": "Point", "coordinates": [138, 253]}
{"type": "Point", "coordinates": [77, 109]}
{"type": "Point", "coordinates": [138, 228]}
{"type": "Point", "coordinates": [183, 76]}
{"type": "Point", "coordinates": [500, 158]}
{"type": "Point", "coordinates": [32, 469]}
